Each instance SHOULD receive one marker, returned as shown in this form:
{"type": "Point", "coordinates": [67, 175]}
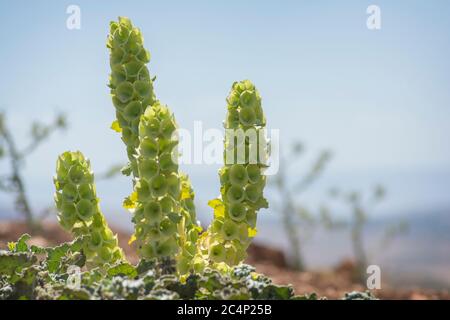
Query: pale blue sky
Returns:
{"type": "Point", "coordinates": [378, 99]}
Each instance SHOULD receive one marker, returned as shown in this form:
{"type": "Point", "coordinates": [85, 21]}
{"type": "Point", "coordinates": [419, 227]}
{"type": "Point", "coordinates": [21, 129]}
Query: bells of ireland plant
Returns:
{"type": "Point", "coordinates": [149, 147]}
{"type": "Point", "coordinates": [189, 229]}
{"type": "Point", "coordinates": [130, 83]}
{"type": "Point", "coordinates": [79, 212]}
{"type": "Point", "coordinates": [155, 200]}
{"type": "Point", "coordinates": [242, 178]}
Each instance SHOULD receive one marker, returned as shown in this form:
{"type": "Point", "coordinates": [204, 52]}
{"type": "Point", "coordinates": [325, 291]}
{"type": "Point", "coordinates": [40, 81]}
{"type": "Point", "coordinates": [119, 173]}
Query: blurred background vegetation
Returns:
{"type": "Point", "coordinates": [13, 181]}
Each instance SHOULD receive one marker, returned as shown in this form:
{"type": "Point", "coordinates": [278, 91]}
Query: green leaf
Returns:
{"type": "Point", "coordinates": [273, 292]}
{"type": "Point", "coordinates": [27, 276]}
{"type": "Point", "coordinates": [55, 254]}
{"type": "Point", "coordinates": [74, 294]}
{"type": "Point", "coordinates": [123, 269]}
{"type": "Point", "coordinates": [12, 262]}
{"type": "Point", "coordinates": [37, 249]}
{"type": "Point", "coordinates": [145, 265]}
{"type": "Point", "coordinates": [21, 244]}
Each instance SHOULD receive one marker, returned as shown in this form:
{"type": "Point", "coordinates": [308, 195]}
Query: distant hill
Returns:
{"type": "Point", "coordinates": [420, 257]}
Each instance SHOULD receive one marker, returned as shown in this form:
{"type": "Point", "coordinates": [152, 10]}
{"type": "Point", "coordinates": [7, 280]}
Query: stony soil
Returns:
{"type": "Point", "coordinates": [330, 283]}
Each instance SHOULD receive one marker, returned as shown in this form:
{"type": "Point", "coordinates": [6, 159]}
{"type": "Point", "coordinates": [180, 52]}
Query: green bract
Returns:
{"type": "Point", "coordinates": [163, 207]}
{"type": "Point", "coordinates": [159, 211]}
{"type": "Point", "coordinates": [242, 179]}
{"type": "Point", "coordinates": [130, 82]}
{"type": "Point", "coordinates": [79, 211]}
{"type": "Point", "coordinates": [189, 227]}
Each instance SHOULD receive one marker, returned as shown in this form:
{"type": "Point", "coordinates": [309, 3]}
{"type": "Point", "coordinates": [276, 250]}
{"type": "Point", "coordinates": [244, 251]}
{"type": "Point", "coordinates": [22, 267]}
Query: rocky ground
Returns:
{"type": "Point", "coordinates": [330, 283]}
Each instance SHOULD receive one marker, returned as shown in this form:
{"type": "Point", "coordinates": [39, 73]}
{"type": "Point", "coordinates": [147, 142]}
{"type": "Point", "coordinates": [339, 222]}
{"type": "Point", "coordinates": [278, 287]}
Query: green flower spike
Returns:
{"type": "Point", "coordinates": [189, 229]}
{"type": "Point", "coordinates": [242, 180]}
{"type": "Point", "coordinates": [164, 213]}
{"type": "Point", "coordinates": [163, 209]}
{"type": "Point", "coordinates": [130, 83]}
{"type": "Point", "coordinates": [79, 211]}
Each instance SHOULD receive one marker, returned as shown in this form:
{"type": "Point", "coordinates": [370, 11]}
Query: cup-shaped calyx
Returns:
{"type": "Point", "coordinates": [189, 229]}
{"type": "Point", "coordinates": [242, 178]}
{"type": "Point", "coordinates": [157, 192]}
{"type": "Point", "coordinates": [79, 212]}
{"type": "Point", "coordinates": [130, 82]}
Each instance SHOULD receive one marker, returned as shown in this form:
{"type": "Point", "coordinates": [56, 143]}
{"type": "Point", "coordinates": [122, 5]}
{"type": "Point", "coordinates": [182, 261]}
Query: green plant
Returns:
{"type": "Point", "coordinates": [58, 273]}
{"type": "Point", "coordinates": [79, 210]}
{"type": "Point", "coordinates": [242, 179]}
{"type": "Point", "coordinates": [130, 83]}
{"type": "Point", "coordinates": [32, 272]}
{"type": "Point", "coordinates": [163, 211]}
{"type": "Point", "coordinates": [156, 211]}
{"type": "Point", "coordinates": [175, 261]}
{"type": "Point", "coordinates": [14, 182]}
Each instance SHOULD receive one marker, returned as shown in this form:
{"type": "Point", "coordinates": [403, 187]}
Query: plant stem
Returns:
{"type": "Point", "coordinates": [22, 203]}
{"type": "Point", "coordinates": [289, 224]}
{"type": "Point", "coordinates": [293, 237]}
{"type": "Point", "coordinates": [357, 242]}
